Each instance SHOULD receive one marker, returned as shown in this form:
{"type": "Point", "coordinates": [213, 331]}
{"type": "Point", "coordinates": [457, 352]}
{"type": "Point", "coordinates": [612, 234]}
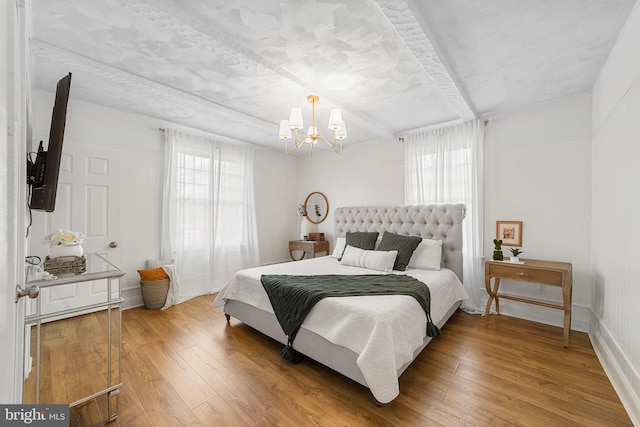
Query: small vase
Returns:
{"type": "Point", "coordinates": [65, 251]}
{"type": "Point", "coordinates": [306, 227]}
{"type": "Point", "coordinates": [514, 259]}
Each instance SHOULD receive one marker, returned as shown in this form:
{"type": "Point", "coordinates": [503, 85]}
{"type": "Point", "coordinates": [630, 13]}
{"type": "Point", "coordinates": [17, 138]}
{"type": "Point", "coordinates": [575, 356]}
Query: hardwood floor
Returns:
{"type": "Point", "coordinates": [187, 366]}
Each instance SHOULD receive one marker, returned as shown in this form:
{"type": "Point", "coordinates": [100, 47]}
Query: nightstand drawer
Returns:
{"type": "Point", "coordinates": [301, 246]}
{"type": "Point", "coordinates": [521, 272]}
{"type": "Point", "coordinates": [307, 246]}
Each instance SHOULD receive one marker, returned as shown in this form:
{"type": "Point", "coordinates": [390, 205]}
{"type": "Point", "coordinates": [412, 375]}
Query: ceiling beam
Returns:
{"type": "Point", "coordinates": [413, 29]}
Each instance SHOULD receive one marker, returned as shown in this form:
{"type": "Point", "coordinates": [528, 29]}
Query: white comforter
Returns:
{"type": "Point", "coordinates": [384, 330]}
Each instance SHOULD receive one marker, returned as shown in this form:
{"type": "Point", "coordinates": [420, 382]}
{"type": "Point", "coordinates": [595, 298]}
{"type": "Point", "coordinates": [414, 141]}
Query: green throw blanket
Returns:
{"type": "Point", "coordinates": [293, 297]}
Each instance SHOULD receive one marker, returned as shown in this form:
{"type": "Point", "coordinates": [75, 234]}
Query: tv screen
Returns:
{"type": "Point", "coordinates": [43, 173]}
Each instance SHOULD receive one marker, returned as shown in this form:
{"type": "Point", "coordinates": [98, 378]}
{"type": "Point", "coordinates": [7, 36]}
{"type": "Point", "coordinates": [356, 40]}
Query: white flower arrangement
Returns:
{"type": "Point", "coordinates": [63, 238]}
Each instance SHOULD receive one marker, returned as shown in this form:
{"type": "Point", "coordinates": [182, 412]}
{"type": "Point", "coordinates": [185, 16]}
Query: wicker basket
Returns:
{"type": "Point", "coordinates": [154, 293]}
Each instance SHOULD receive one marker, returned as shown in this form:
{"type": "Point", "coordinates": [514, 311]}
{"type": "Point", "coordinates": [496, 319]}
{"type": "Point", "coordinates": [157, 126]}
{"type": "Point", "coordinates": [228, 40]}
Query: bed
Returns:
{"type": "Point", "coordinates": [369, 339]}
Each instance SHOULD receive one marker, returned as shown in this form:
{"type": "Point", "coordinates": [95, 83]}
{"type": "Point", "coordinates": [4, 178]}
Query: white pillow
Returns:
{"type": "Point", "coordinates": [374, 260]}
{"type": "Point", "coordinates": [427, 256]}
{"type": "Point", "coordinates": [339, 248]}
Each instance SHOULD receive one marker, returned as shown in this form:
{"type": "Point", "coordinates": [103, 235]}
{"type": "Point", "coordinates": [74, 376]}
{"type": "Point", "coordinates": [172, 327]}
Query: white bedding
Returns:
{"type": "Point", "coordinates": [383, 330]}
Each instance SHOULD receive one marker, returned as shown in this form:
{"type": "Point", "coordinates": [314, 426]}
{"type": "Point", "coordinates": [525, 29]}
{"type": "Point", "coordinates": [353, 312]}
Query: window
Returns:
{"type": "Point", "coordinates": [193, 199]}
{"type": "Point", "coordinates": [208, 211]}
{"type": "Point", "coordinates": [444, 165]}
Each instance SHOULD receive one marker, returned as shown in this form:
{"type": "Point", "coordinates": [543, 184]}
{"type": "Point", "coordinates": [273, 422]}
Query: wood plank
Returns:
{"type": "Point", "coordinates": [186, 366]}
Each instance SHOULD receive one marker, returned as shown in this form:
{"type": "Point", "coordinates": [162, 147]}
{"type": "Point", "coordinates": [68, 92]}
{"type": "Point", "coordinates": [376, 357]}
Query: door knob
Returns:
{"type": "Point", "coordinates": [113, 244]}
{"type": "Point", "coordinates": [31, 292]}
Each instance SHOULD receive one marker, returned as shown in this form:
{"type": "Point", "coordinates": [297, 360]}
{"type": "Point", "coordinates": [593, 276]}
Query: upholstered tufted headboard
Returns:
{"type": "Point", "coordinates": [439, 222]}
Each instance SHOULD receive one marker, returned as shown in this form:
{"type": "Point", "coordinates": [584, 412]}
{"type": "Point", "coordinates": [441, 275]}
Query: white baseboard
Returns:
{"type": "Point", "coordinates": [132, 297]}
{"type": "Point", "coordinates": [624, 378]}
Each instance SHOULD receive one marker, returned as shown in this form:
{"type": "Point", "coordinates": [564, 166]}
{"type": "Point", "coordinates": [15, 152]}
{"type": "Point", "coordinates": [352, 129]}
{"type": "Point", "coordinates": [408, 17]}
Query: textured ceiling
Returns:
{"type": "Point", "coordinates": [235, 68]}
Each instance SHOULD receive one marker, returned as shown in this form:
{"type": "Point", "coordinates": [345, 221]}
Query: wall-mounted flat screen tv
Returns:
{"type": "Point", "coordinates": [44, 171]}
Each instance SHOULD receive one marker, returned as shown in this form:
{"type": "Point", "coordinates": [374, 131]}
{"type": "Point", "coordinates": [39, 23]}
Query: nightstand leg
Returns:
{"type": "Point", "coordinates": [493, 294]}
{"type": "Point", "coordinates": [294, 258]}
{"type": "Point", "coordinates": [566, 300]}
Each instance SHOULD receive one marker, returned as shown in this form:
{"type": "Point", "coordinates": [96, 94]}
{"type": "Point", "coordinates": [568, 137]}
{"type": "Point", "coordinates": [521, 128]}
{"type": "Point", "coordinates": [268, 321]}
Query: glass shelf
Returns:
{"type": "Point", "coordinates": [97, 268]}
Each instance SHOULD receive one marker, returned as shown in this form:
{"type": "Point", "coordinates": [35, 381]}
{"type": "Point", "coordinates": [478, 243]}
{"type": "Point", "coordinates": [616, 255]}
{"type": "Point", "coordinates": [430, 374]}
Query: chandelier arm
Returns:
{"type": "Point", "coordinates": [286, 148]}
{"type": "Point", "coordinates": [334, 144]}
{"type": "Point", "coordinates": [297, 144]}
{"type": "Point", "coordinates": [334, 148]}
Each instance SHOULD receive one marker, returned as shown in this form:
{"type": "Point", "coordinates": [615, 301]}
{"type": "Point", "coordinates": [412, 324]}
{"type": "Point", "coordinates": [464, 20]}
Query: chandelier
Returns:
{"type": "Point", "coordinates": [336, 124]}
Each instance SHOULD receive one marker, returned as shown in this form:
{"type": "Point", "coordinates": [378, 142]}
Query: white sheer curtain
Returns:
{"type": "Point", "coordinates": [444, 165]}
{"type": "Point", "coordinates": [209, 227]}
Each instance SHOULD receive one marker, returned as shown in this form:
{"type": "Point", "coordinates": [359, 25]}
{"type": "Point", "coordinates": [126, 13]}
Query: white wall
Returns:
{"type": "Point", "coordinates": [275, 192]}
{"type": "Point", "coordinates": [141, 146]}
{"type": "Point", "coordinates": [615, 211]}
{"type": "Point", "coordinates": [537, 170]}
{"type": "Point", "coordinates": [363, 175]}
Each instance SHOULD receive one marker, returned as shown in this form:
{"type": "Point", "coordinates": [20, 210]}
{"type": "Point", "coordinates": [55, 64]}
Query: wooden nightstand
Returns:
{"type": "Point", "coordinates": [305, 246]}
{"type": "Point", "coordinates": [549, 273]}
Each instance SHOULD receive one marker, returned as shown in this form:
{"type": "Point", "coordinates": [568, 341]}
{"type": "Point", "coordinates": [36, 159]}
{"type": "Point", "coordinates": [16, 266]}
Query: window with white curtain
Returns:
{"type": "Point", "coordinates": [209, 226]}
{"type": "Point", "coordinates": [444, 165]}
{"type": "Point", "coordinates": [192, 179]}
{"type": "Point", "coordinates": [231, 199]}
{"type": "Point", "coordinates": [434, 184]}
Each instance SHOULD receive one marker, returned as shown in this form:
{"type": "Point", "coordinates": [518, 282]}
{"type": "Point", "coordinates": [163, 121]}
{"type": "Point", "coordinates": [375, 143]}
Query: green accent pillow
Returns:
{"type": "Point", "coordinates": [361, 239]}
{"type": "Point", "coordinates": [405, 245]}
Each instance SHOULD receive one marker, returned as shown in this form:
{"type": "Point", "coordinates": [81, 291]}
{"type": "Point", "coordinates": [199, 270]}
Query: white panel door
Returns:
{"type": "Point", "coordinates": [88, 194]}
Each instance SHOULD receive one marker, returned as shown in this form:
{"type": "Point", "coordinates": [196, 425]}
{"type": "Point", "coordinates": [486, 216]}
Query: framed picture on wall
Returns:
{"type": "Point", "coordinates": [510, 232]}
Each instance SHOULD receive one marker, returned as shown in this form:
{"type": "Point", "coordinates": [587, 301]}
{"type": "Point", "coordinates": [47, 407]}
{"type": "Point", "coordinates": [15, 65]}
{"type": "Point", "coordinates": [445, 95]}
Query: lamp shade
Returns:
{"type": "Point", "coordinates": [335, 119]}
{"type": "Point", "coordinates": [285, 131]}
{"type": "Point", "coordinates": [295, 118]}
{"type": "Point", "coordinates": [342, 132]}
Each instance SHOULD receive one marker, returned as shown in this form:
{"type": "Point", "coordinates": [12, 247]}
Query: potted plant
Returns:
{"type": "Point", "coordinates": [497, 250]}
{"type": "Point", "coordinates": [514, 254]}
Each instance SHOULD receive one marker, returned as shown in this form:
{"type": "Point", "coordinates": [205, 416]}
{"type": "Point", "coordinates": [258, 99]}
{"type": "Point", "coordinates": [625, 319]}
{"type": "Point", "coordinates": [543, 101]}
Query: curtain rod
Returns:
{"type": "Point", "coordinates": [401, 135]}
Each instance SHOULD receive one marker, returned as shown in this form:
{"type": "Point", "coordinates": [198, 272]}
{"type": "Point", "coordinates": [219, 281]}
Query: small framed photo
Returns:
{"type": "Point", "coordinates": [510, 232]}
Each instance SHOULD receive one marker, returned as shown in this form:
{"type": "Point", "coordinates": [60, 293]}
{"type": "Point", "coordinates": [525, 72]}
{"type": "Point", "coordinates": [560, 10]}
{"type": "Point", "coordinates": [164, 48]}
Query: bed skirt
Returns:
{"type": "Point", "coordinates": [336, 357]}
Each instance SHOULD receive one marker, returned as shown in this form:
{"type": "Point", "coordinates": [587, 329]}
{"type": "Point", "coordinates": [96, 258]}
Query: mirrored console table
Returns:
{"type": "Point", "coordinates": [73, 340]}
